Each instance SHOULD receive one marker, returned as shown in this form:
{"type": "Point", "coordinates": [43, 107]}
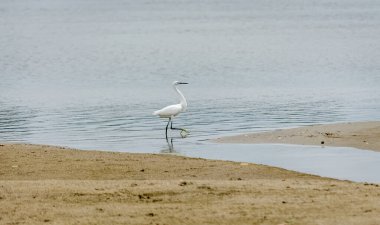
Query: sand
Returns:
{"type": "Point", "coordinates": [362, 135]}
{"type": "Point", "coordinates": [52, 185]}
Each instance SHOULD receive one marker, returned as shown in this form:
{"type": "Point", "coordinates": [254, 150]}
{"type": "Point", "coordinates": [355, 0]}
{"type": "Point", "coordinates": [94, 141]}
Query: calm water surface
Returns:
{"type": "Point", "coordinates": [88, 74]}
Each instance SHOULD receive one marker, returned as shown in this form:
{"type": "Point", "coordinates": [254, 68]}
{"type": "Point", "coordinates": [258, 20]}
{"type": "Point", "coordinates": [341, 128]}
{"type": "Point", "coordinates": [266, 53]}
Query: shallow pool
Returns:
{"type": "Point", "coordinates": [336, 162]}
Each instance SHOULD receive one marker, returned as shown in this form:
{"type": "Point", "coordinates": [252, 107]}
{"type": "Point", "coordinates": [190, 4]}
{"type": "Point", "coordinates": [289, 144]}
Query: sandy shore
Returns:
{"type": "Point", "coordinates": [363, 135]}
{"type": "Point", "coordinates": [51, 185]}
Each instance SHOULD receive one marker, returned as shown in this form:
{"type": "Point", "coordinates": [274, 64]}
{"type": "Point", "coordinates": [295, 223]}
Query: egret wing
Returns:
{"type": "Point", "coordinates": [168, 111]}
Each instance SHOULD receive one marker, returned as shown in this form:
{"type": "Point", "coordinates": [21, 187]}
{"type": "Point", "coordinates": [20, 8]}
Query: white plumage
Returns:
{"type": "Point", "coordinates": [169, 111]}
{"type": "Point", "coordinates": [173, 110]}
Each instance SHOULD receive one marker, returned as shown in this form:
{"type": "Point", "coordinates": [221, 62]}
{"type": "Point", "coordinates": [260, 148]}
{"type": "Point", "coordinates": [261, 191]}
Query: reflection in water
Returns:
{"type": "Point", "coordinates": [169, 141]}
{"type": "Point", "coordinates": [170, 148]}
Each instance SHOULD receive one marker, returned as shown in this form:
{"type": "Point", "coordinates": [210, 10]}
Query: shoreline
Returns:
{"type": "Point", "coordinates": [361, 135]}
{"type": "Point", "coordinates": [42, 184]}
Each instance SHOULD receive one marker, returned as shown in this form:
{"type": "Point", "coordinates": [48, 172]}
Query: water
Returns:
{"type": "Point", "coordinates": [340, 163]}
{"type": "Point", "coordinates": [88, 74]}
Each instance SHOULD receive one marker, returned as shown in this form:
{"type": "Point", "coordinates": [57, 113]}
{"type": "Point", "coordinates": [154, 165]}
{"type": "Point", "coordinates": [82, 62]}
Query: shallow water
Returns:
{"type": "Point", "coordinates": [88, 74]}
{"type": "Point", "coordinates": [340, 163]}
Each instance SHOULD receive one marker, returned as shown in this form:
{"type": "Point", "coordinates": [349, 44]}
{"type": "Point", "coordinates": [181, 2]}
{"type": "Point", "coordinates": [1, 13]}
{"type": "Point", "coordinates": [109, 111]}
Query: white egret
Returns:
{"type": "Point", "coordinates": [173, 110]}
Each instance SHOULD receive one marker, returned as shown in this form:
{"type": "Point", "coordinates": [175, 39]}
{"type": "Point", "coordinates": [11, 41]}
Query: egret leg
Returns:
{"type": "Point", "coordinates": [166, 131]}
{"type": "Point", "coordinates": [174, 128]}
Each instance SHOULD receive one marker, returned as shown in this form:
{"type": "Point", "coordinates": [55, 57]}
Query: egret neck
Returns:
{"type": "Point", "coordinates": [181, 98]}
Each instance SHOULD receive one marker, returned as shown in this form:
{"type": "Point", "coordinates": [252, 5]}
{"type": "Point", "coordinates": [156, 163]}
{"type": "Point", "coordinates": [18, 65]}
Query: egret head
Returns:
{"type": "Point", "coordinates": [178, 82]}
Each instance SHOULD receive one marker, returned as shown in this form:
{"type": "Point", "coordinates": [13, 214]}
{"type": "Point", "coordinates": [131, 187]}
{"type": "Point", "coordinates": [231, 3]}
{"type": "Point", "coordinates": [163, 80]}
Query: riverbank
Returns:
{"type": "Point", "coordinates": [362, 135]}
{"type": "Point", "coordinates": [53, 185]}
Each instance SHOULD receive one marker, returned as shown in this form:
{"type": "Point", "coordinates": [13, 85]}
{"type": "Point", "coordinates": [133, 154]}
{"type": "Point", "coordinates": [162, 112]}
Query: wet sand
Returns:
{"type": "Point", "coordinates": [52, 185]}
{"type": "Point", "coordinates": [362, 135]}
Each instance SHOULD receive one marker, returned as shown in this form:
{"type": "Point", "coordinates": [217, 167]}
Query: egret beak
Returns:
{"type": "Point", "coordinates": [182, 83]}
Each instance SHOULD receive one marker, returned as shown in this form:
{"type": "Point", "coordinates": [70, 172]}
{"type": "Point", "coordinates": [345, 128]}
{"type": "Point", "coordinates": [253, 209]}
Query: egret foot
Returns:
{"type": "Point", "coordinates": [184, 133]}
